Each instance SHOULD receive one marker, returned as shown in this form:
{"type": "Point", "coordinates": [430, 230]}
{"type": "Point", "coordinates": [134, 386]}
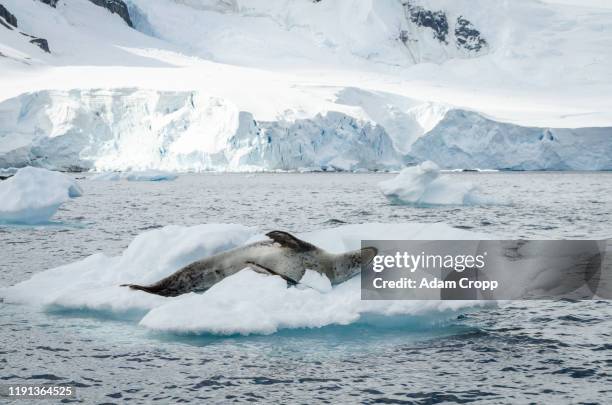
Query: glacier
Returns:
{"type": "Point", "coordinates": [33, 195]}
{"type": "Point", "coordinates": [284, 85]}
{"type": "Point", "coordinates": [466, 139]}
{"type": "Point", "coordinates": [135, 130]}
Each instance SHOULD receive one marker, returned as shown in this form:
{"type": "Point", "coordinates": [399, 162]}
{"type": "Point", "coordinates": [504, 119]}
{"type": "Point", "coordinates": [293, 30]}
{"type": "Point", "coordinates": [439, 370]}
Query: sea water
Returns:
{"type": "Point", "coordinates": [538, 351]}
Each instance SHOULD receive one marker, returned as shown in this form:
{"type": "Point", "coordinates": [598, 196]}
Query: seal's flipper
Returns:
{"type": "Point", "coordinates": [266, 270]}
{"type": "Point", "coordinates": [287, 240]}
{"type": "Point", "coordinates": [349, 264]}
{"type": "Point", "coordinates": [368, 254]}
{"type": "Point", "coordinates": [150, 289]}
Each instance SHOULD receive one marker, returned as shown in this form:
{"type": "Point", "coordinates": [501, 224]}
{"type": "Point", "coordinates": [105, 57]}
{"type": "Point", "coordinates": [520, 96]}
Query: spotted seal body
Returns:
{"type": "Point", "coordinates": [284, 255]}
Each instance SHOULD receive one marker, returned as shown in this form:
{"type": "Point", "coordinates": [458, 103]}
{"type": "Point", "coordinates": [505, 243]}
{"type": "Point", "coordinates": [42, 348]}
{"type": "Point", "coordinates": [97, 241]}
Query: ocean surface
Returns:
{"type": "Point", "coordinates": [521, 352]}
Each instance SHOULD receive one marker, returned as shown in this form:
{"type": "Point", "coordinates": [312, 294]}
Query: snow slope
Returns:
{"type": "Point", "coordinates": [300, 70]}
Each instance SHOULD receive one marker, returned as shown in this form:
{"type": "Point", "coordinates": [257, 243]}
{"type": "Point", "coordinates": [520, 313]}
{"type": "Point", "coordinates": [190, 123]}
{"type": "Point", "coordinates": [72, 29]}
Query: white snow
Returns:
{"type": "Point", "coordinates": [244, 303]}
{"type": "Point", "coordinates": [423, 185]}
{"type": "Point", "coordinates": [286, 63]}
{"type": "Point", "coordinates": [33, 195]}
{"type": "Point", "coordinates": [266, 305]}
{"type": "Point", "coordinates": [316, 281]}
{"type": "Point", "coordinates": [147, 175]}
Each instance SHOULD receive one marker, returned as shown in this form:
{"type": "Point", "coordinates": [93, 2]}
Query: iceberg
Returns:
{"type": "Point", "coordinates": [246, 303]}
{"type": "Point", "coordinates": [422, 185]}
{"type": "Point", "coordinates": [33, 195]}
{"type": "Point", "coordinates": [146, 175]}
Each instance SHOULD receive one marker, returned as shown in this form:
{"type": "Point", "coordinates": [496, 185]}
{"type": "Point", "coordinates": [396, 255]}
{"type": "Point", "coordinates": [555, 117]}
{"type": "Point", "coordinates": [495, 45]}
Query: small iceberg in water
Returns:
{"type": "Point", "coordinates": [245, 303]}
{"type": "Point", "coordinates": [422, 185]}
{"type": "Point", "coordinates": [146, 175]}
{"type": "Point", "coordinates": [33, 195]}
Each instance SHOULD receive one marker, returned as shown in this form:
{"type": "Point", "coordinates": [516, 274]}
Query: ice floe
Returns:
{"type": "Point", "coordinates": [245, 303]}
{"type": "Point", "coordinates": [423, 185]}
{"type": "Point", "coordinates": [33, 195]}
{"type": "Point", "coordinates": [146, 175]}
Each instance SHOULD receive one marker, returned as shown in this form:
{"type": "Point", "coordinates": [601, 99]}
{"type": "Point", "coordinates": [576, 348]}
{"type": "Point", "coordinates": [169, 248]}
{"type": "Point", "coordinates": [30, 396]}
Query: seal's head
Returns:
{"type": "Point", "coordinates": [349, 264]}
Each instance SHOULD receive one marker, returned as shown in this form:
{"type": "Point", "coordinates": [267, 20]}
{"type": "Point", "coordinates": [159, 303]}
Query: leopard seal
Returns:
{"type": "Point", "coordinates": [282, 255]}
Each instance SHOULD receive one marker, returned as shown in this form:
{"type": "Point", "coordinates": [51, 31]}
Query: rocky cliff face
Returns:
{"type": "Point", "coordinates": [114, 6]}
{"type": "Point", "coordinates": [467, 36]}
{"type": "Point", "coordinates": [52, 3]}
{"type": "Point", "coordinates": [429, 34]}
{"type": "Point", "coordinates": [459, 32]}
{"type": "Point", "coordinates": [436, 21]}
{"type": "Point", "coordinates": [450, 32]}
{"type": "Point", "coordinates": [9, 21]}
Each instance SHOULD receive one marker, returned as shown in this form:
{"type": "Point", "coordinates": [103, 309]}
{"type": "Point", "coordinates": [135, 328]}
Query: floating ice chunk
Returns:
{"type": "Point", "coordinates": [147, 175]}
{"type": "Point", "coordinates": [252, 303]}
{"type": "Point", "coordinates": [93, 283]}
{"type": "Point", "coordinates": [33, 195]}
{"type": "Point", "coordinates": [245, 303]}
{"type": "Point", "coordinates": [150, 175]}
{"type": "Point", "coordinates": [423, 185]}
{"type": "Point", "coordinates": [106, 176]}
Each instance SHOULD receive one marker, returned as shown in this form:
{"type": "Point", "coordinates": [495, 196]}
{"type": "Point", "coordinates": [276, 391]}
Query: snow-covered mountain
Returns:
{"type": "Point", "coordinates": [304, 84]}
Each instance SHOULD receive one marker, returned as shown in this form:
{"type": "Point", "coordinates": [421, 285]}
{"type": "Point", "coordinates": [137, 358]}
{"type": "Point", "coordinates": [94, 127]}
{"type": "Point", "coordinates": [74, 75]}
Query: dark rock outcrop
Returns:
{"type": "Point", "coordinates": [116, 7]}
{"type": "Point", "coordinates": [9, 21]}
{"type": "Point", "coordinates": [435, 20]}
{"type": "Point", "coordinates": [9, 18]}
{"type": "Point", "coordinates": [41, 43]}
{"type": "Point", "coordinates": [52, 3]}
{"type": "Point", "coordinates": [467, 36]}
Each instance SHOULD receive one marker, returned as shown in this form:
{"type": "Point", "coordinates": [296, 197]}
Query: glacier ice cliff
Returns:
{"type": "Point", "coordinates": [465, 139]}
{"type": "Point", "coordinates": [136, 129]}
{"type": "Point", "coordinates": [130, 129]}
